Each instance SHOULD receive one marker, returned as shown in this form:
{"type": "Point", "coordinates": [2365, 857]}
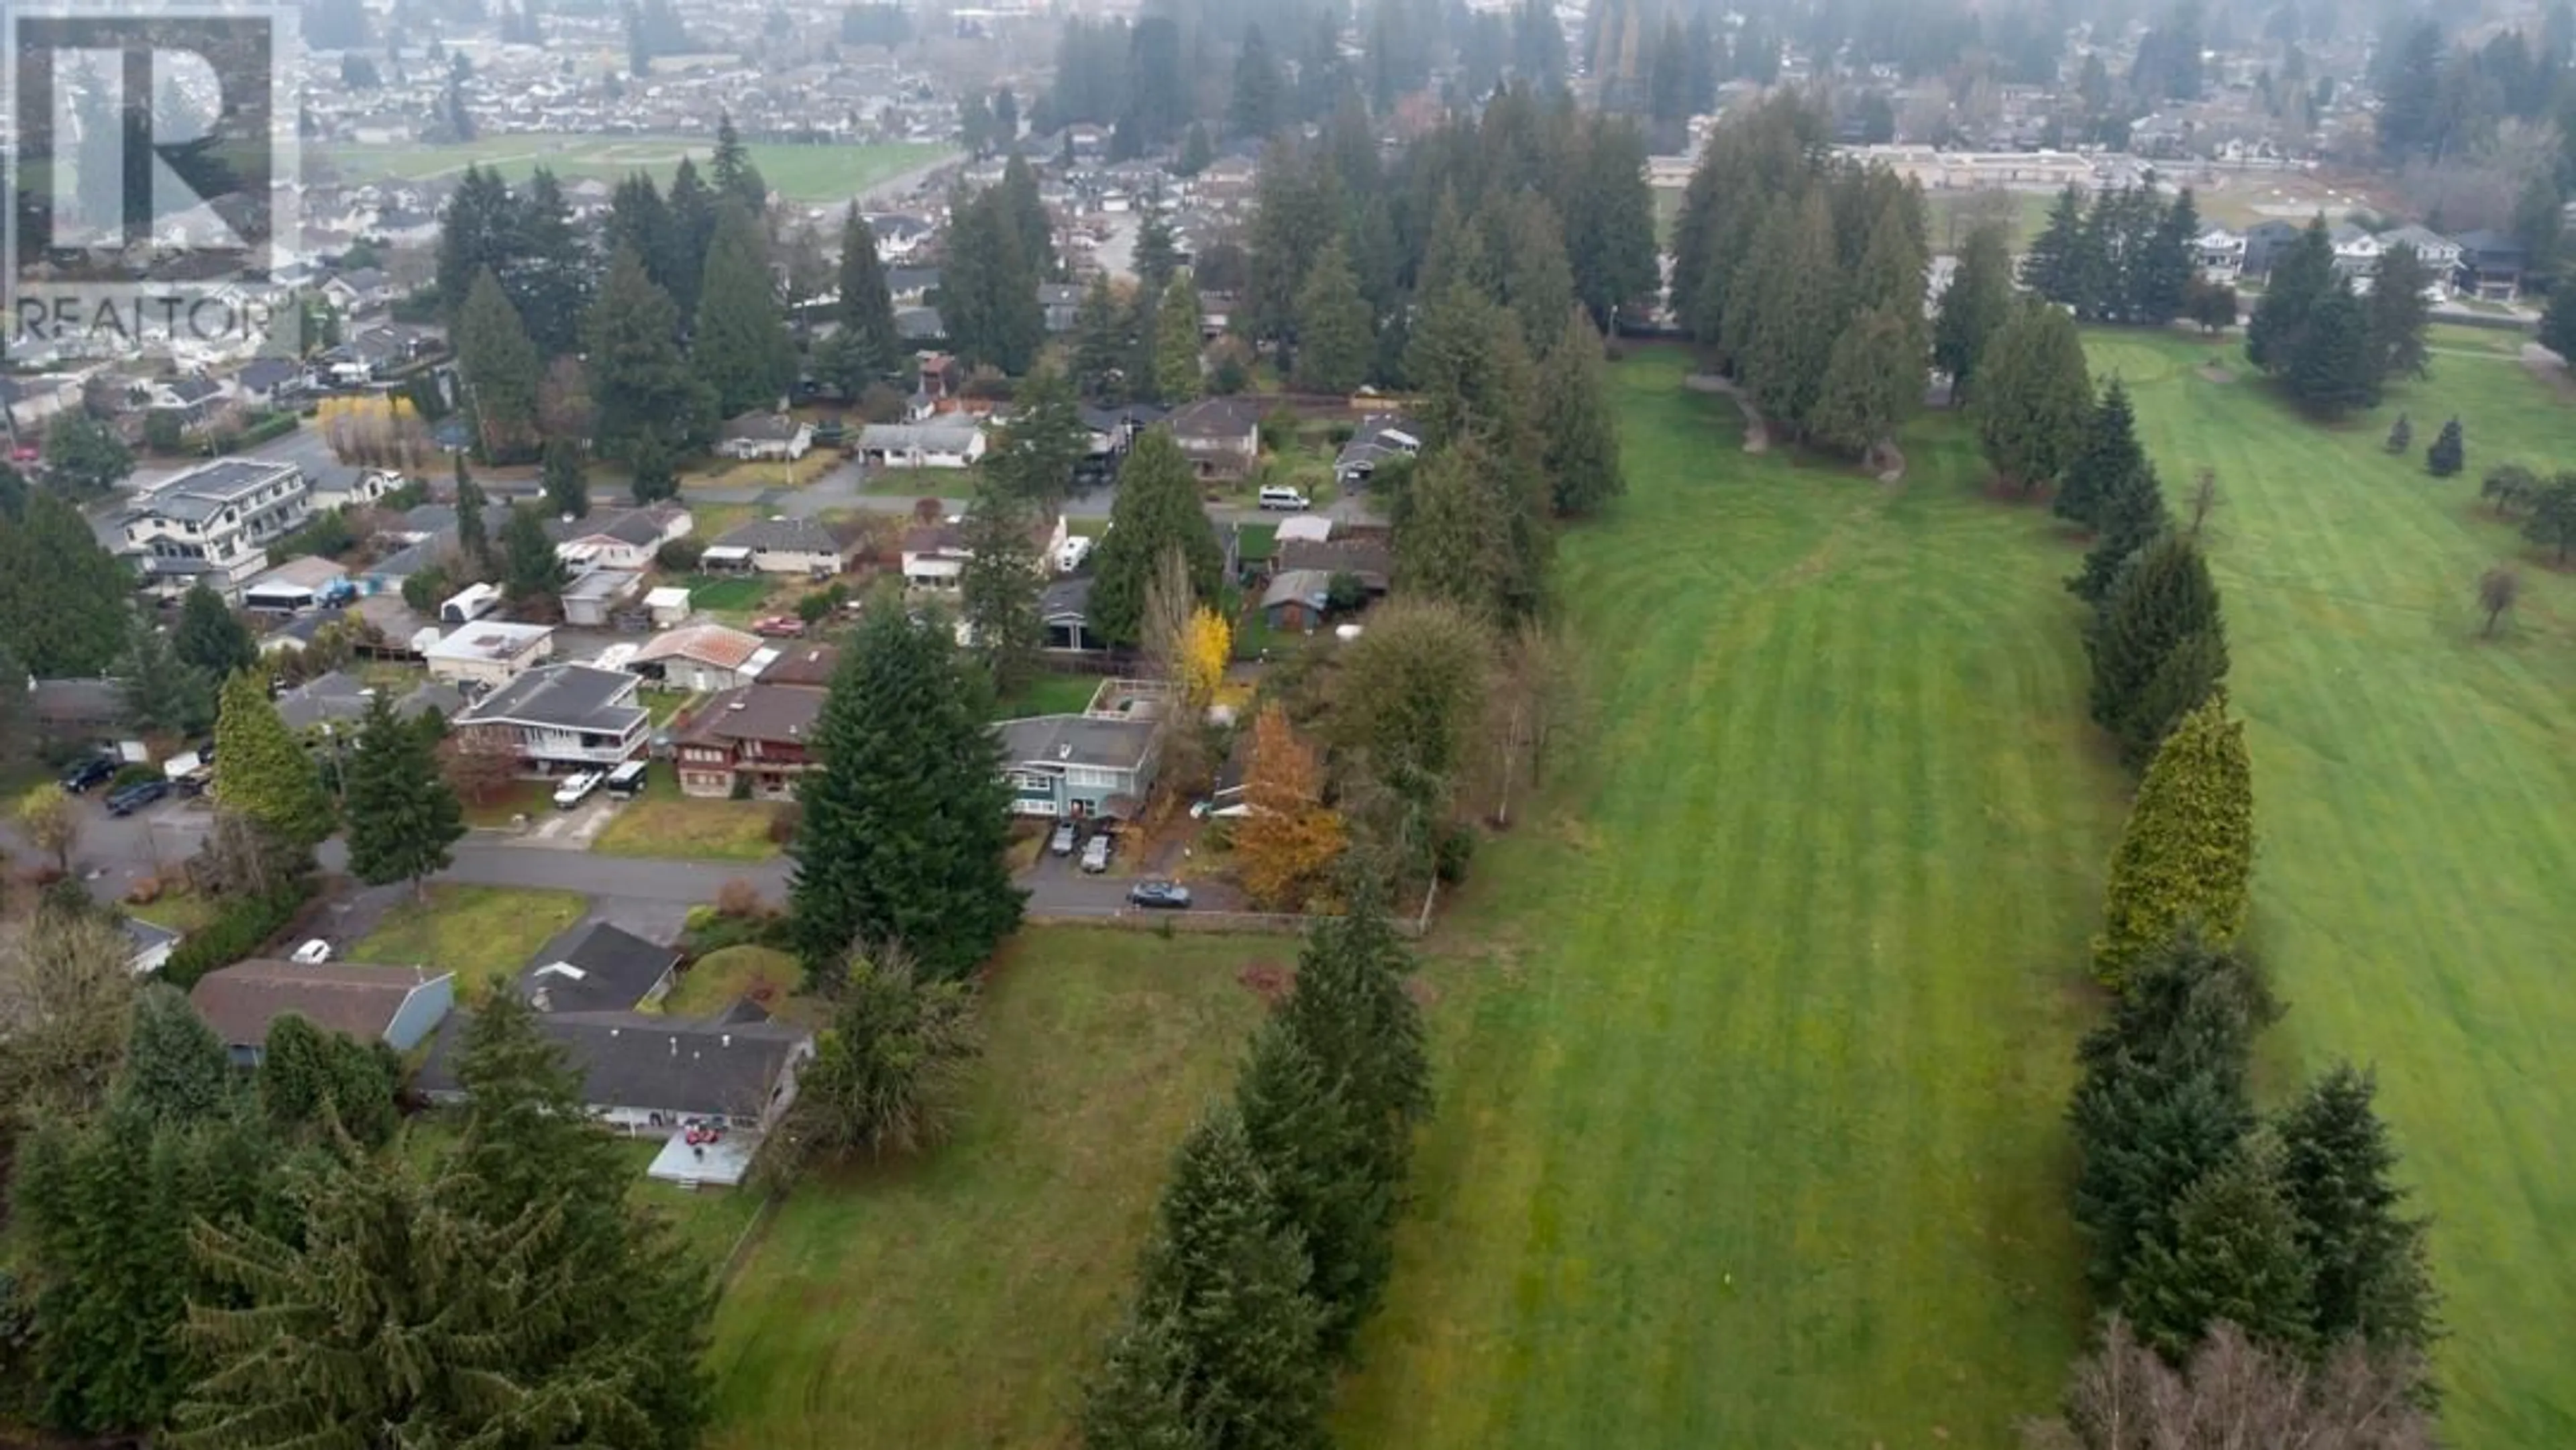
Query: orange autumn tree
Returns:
{"type": "Point", "coordinates": [1290, 838]}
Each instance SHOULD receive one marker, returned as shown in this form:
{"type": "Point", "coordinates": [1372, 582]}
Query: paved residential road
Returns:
{"type": "Point", "coordinates": [114, 854]}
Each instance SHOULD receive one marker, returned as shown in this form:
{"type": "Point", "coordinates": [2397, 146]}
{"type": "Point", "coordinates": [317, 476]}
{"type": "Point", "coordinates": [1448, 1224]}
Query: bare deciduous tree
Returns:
{"type": "Point", "coordinates": [2203, 502]}
{"type": "Point", "coordinates": [2234, 1393]}
{"type": "Point", "coordinates": [2498, 588]}
{"type": "Point", "coordinates": [66, 992]}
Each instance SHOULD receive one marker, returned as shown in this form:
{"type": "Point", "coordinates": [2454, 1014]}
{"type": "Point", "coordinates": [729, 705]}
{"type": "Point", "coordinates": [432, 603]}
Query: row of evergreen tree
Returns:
{"type": "Point", "coordinates": [2196, 1212]}
{"type": "Point", "coordinates": [1273, 1240]}
{"type": "Point", "coordinates": [2333, 349]}
{"type": "Point", "coordinates": [234, 1261]}
{"type": "Point", "coordinates": [2126, 258]}
{"type": "Point", "coordinates": [1805, 278]}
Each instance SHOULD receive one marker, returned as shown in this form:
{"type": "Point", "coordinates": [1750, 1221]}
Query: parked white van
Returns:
{"type": "Point", "coordinates": [1280, 496]}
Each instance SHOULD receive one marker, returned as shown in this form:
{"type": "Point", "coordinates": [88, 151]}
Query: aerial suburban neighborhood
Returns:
{"type": "Point", "coordinates": [1182, 723]}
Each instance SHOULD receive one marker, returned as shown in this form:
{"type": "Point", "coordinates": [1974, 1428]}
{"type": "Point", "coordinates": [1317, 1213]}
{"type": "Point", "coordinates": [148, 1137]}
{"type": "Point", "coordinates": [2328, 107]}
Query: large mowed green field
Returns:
{"type": "Point", "coordinates": [961, 1300]}
{"type": "Point", "coordinates": [812, 174]}
{"type": "Point", "coordinates": [1754, 1044]}
{"type": "Point", "coordinates": [2416, 802]}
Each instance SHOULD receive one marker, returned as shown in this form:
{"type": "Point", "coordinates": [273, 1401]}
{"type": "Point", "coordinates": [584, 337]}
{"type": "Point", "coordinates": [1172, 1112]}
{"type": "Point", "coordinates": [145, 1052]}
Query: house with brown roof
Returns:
{"type": "Point", "coordinates": [810, 665]}
{"type": "Point", "coordinates": [758, 739]}
{"type": "Point", "coordinates": [1221, 437]}
{"type": "Point", "coordinates": [703, 657]}
{"type": "Point", "coordinates": [397, 1006]}
{"type": "Point", "coordinates": [1368, 558]}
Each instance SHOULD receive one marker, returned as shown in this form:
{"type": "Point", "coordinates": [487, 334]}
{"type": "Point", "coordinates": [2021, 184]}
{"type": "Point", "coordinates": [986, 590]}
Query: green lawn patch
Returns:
{"type": "Point", "coordinates": [727, 591]}
{"type": "Point", "coordinates": [799, 173]}
{"type": "Point", "coordinates": [663, 822]}
{"type": "Point", "coordinates": [959, 1300]}
{"type": "Point", "coordinates": [181, 911]}
{"type": "Point", "coordinates": [662, 705]}
{"type": "Point", "coordinates": [1047, 695]}
{"type": "Point", "coordinates": [921, 483]}
{"type": "Point", "coordinates": [721, 978]}
{"type": "Point", "coordinates": [2411, 787]}
{"type": "Point", "coordinates": [483, 934]}
{"type": "Point", "coordinates": [1754, 1038]}
{"type": "Point", "coordinates": [503, 807]}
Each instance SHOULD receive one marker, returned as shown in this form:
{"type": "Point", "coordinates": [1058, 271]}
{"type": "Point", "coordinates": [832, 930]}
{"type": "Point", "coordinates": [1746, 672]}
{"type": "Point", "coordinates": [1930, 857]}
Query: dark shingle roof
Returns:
{"type": "Point", "coordinates": [576, 697]}
{"type": "Point", "coordinates": [640, 1061]}
{"type": "Point", "coordinates": [756, 712]}
{"type": "Point", "coordinates": [605, 969]}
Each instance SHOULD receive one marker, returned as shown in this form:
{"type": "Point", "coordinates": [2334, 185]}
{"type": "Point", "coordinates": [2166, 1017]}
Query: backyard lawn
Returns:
{"type": "Point", "coordinates": [721, 978]}
{"type": "Point", "coordinates": [728, 592]}
{"type": "Point", "coordinates": [481, 933]}
{"type": "Point", "coordinates": [2412, 787]}
{"type": "Point", "coordinates": [1047, 695]}
{"type": "Point", "coordinates": [959, 1301]}
{"type": "Point", "coordinates": [799, 173]}
{"type": "Point", "coordinates": [1754, 1042]}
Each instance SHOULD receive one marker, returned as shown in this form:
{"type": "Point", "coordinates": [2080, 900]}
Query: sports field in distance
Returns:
{"type": "Point", "coordinates": [810, 174]}
{"type": "Point", "coordinates": [2415, 795]}
{"type": "Point", "coordinates": [1754, 1042]}
{"type": "Point", "coordinates": [960, 1301]}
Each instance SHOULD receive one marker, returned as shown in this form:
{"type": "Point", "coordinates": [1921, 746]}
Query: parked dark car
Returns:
{"type": "Point", "coordinates": [1159, 896]}
{"type": "Point", "coordinates": [126, 800]}
{"type": "Point", "coordinates": [89, 774]}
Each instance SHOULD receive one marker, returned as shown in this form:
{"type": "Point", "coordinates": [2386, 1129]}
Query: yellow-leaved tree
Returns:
{"type": "Point", "coordinates": [1205, 648]}
{"type": "Point", "coordinates": [1291, 839]}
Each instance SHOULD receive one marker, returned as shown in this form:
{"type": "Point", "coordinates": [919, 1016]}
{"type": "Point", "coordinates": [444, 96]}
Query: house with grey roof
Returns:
{"type": "Point", "coordinates": [560, 720]}
{"type": "Point", "coordinates": [655, 1076]}
{"type": "Point", "coordinates": [214, 523]}
{"type": "Point", "coordinates": [1098, 763]}
{"type": "Point", "coordinates": [780, 546]}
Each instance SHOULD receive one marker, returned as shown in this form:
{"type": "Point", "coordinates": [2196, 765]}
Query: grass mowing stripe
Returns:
{"type": "Point", "coordinates": [2414, 836]}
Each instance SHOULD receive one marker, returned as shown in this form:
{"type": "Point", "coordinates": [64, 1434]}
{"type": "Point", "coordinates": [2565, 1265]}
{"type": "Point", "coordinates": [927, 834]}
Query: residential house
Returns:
{"type": "Point", "coordinates": [2266, 242]}
{"type": "Point", "coordinates": [780, 546]}
{"type": "Point", "coordinates": [359, 292]}
{"type": "Point", "coordinates": [755, 740]}
{"type": "Point", "coordinates": [603, 968]}
{"type": "Point", "coordinates": [1297, 599]}
{"type": "Point", "coordinates": [354, 490]}
{"type": "Point", "coordinates": [652, 1076]}
{"type": "Point", "coordinates": [397, 1006]}
{"type": "Point", "coordinates": [214, 523]}
{"type": "Point", "coordinates": [920, 326]}
{"type": "Point", "coordinates": [2439, 254]}
{"type": "Point", "coordinates": [2356, 252]}
{"type": "Point", "coordinates": [667, 605]}
{"type": "Point", "coordinates": [911, 286]}
{"type": "Point", "coordinates": [1064, 608]}
{"type": "Point", "coordinates": [776, 437]}
{"type": "Point", "coordinates": [1375, 442]}
{"type": "Point", "coordinates": [936, 556]}
{"type": "Point", "coordinates": [1098, 763]}
{"type": "Point", "coordinates": [2219, 254]}
{"type": "Point", "coordinates": [192, 400]}
{"type": "Point", "coordinates": [82, 712]}
{"type": "Point", "coordinates": [490, 652]}
{"type": "Point", "coordinates": [28, 404]}
{"type": "Point", "coordinates": [620, 538]}
{"type": "Point", "coordinates": [560, 720]}
{"type": "Point", "coordinates": [1061, 302]}
{"type": "Point", "coordinates": [269, 382]}
{"type": "Point", "coordinates": [1221, 437]}
{"type": "Point", "coordinates": [948, 440]}
{"type": "Point", "coordinates": [152, 945]}
{"type": "Point", "coordinates": [1364, 556]}
{"type": "Point", "coordinates": [2491, 266]}
{"type": "Point", "coordinates": [702, 658]}
{"type": "Point", "coordinates": [810, 665]}
{"type": "Point", "coordinates": [591, 598]}
{"type": "Point", "coordinates": [899, 235]}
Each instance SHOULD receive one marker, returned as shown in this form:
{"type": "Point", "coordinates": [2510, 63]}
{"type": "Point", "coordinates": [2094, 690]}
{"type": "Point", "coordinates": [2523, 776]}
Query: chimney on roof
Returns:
{"type": "Point", "coordinates": [1064, 751]}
